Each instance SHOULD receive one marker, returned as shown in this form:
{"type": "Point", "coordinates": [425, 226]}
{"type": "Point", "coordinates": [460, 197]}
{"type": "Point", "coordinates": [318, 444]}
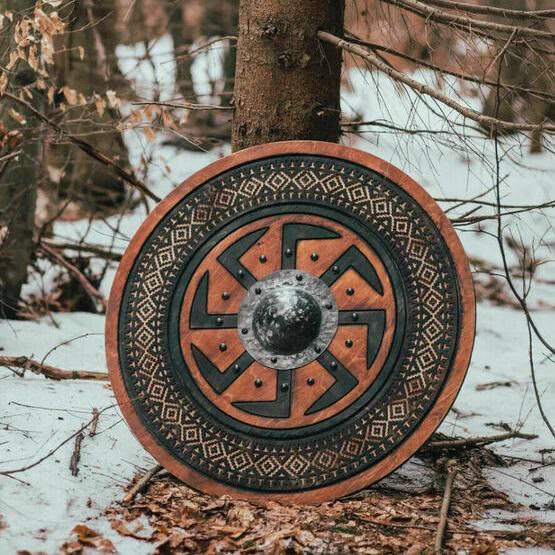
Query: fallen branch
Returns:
{"type": "Point", "coordinates": [52, 451]}
{"type": "Point", "coordinates": [76, 455]}
{"type": "Point", "coordinates": [96, 297]}
{"type": "Point", "coordinates": [89, 149]}
{"type": "Point", "coordinates": [476, 441]}
{"type": "Point", "coordinates": [141, 483]}
{"type": "Point", "coordinates": [442, 524]}
{"type": "Point", "coordinates": [421, 88]}
{"type": "Point", "coordinates": [51, 372]}
{"type": "Point", "coordinates": [94, 423]}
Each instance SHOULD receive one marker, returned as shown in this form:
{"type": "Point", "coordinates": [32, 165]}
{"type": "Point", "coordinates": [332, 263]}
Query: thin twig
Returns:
{"type": "Point", "coordinates": [182, 105]}
{"type": "Point", "coordinates": [421, 88]}
{"type": "Point", "coordinates": [141, 483]}
{"type": "Point", "coordinates": [464, 22]}
{"type": "Point", "coordinates": [51, 372]}
{"type": "Point", "coordinates": [96, 250]}
{"type": "Point", "coordinates": [535, 382]}
{"type": "Point", "coordinates": [458, 74]}
{"type": "Point", "coordinates": [492, 10]}
{"type": "Point", "coordinates": [476, 441]}
{"type": "Point", "coordinates": [442, 524]}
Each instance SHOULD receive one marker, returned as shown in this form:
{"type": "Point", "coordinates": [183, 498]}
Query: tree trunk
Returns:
{"type": "Point", "coordinates": [18, 184]}
{"type": "Point", "coordinates": [286, 83]}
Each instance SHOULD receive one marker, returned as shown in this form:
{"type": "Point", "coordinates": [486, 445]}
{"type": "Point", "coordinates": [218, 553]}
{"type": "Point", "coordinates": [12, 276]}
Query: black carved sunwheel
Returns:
{"type": "Point", "coordinates": [288, 324]}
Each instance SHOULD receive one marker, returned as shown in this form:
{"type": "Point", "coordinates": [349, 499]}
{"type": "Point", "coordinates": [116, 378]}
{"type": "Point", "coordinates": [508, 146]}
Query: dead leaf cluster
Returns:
{"type": "Point", "coordinates": [377, 521]}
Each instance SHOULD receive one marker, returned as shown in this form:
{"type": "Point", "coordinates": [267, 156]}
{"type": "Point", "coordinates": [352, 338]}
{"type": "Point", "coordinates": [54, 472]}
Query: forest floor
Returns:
{"type": "Point", "coordinates": [70, 499]}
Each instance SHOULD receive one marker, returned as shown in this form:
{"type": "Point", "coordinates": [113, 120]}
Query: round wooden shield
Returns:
{"type": "Point", "coordinates": [292, 322]}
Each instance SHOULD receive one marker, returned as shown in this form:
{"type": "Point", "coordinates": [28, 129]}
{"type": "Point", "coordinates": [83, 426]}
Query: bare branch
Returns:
{"type": "Point", "coordinates": [444, 511]}
{"type": "Point", "coordinates": [76, 455]}
{"type": "Point", "coordinates": [96, 250]}
{"type": "Point", "coordinates": [95, 296]}
{"type": "Point", "coordinates": [183, 105]}
{"type": "Point", "coordinates": [141, 483]}
{"type": "Point", "coordinates": [458, 75]}
{"type": "Point", "coordinates": [486, 121]}
{"type": "Point", "coordinates": [464, 22]}
{"type": "Point", "coordinates": [52, 451]}
{"type": "Point", "coordinates": [492, 10]}
{"type": "Point", "coordinates": [89, 149]}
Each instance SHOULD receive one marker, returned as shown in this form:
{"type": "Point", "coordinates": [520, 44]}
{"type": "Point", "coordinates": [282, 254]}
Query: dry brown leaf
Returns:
{"type": "Point", "coordinates": [3, 83]}
{"type": "Point", "coordinates": [218, 504]}
{"type": "Point", "coordinates": [113, 100]}
{"type": "Point", "coordinates": [70, 95]}
{"type": "Point", "coordinates": [89, 537]}
{"type": "Point", "coordinates": [149, 134]}
{"type": "Point", "coordinates": [167, 120]}
{"type": "Point", "coordinates": [123, 529]}
{"type": "Point", "coordinates": [100, 104]}
{"type": "Point", "coordinates": [241, 515]}
{"type": "Point", "coordinates": [14, 56]}
{"type": "Point", "coordinates": [20, 118]}
{"type": "Point", "coordinates": [33, 59]}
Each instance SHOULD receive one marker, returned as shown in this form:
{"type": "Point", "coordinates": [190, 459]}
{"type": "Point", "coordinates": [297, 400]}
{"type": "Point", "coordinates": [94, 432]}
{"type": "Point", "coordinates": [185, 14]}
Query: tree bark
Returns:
{"type": "Point", "coordinates": [18, 184]}
{"type": "Point", "coordinates": [286, 82]}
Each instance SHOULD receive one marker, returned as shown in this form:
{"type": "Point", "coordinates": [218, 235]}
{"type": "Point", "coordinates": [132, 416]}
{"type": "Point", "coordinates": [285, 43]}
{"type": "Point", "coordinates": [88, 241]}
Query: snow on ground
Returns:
{"type": "Point", "coordinates": [36, 415]}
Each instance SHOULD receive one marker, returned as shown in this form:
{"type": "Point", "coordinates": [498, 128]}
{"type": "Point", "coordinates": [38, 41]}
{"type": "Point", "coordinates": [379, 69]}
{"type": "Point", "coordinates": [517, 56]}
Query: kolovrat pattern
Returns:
{"type": "Point", "coordinates": [194, 436]}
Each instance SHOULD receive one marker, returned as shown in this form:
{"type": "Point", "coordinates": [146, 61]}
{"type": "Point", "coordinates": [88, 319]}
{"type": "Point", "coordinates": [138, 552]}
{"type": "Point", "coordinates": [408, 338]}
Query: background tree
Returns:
{"type": "Point", "coordinates": [20, 167]}
{"type": "Point", "coordinates": [86, 67]}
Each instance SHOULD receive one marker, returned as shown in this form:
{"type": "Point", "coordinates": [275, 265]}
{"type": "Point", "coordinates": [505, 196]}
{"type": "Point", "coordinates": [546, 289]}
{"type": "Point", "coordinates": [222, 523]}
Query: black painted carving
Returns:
{"type": "Point", "coordinates": [280, 407]}
{"type": "Point", "coordinates": [344, 382]}
{"type": "Point", "coordinates": [354, 259]}
{"type": "Point", "coordinates": [374, 320]}
{"type": "Point", "coordinates": [220, 381]}
{"type": "Point", "coordinates": [295, 232]}
{"type": "Point", "coordinates": [229, 259]}
{"type": "Point", "coordinates": [200, 318]}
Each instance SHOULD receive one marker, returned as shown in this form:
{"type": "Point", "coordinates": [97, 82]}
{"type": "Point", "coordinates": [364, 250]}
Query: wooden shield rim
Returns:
{"type": "Point", "coordinates": [430, 421]}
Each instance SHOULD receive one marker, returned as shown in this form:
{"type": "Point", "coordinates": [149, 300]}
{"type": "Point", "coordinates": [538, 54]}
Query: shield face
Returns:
{"type": "Point", "coordinates": [292, 322]}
